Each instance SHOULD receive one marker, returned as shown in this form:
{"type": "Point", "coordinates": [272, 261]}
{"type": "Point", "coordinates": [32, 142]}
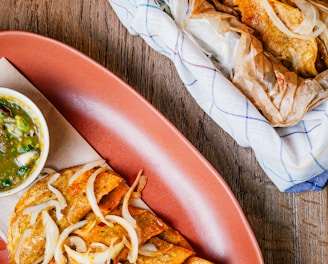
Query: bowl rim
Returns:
{"type": "Point", "coordinates": [34, 110]}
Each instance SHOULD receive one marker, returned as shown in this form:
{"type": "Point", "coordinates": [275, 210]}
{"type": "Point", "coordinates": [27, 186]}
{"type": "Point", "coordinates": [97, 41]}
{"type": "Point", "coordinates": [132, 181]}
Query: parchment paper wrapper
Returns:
{"type": "Point", "coordinates": [66, 144]}
{"type": "Point", "coordinates": [295, 158]}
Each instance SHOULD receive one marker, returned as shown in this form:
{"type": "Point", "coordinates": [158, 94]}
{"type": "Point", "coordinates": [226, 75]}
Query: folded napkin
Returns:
{"type": "Point", "coordinates": [294, 158]}
{"type": "Point", "coordinates": [69, 150]}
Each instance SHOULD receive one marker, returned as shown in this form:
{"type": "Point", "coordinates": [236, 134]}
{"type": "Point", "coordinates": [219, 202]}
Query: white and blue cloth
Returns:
{"type": "Point", "coordinates": [294, 158]}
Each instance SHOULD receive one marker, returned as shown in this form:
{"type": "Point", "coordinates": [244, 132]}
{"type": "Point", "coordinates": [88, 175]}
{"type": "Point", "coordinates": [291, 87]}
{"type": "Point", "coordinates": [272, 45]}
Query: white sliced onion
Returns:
{"type": "Point", "coordinates": [102, 245]}
{"type": "Point", "coordinates": [44, 173]}
{"type": "Point", "coordinates": [92, 197]}
{"type": "Point", "coordinates": [26, 158]}
{"type": "Point", "coordinates": [78, 243]}
{"type": "Point", "coordinates": [87, 228]}
{"type": "Point", "coordinates": [283, 28]}
{"type": "Point", "coordinates": [140, 204]}
{"type": "Point", "coordinates": [133, 254]}
{"type": "Point", "coordinates": [98, 245]}
{"type": "Point", "coordinates": [19, 245]}
{"type": "Point", "coordinates": [60, 196]}
{"type": "Point", "coordinates": [36, 209]}
{"type": "Point", "coordinates": [87, 257]}
{"type": "Point", "coordinates": [52, 235]}
{"type": "Point", "coordinates": [125, 207]}
{"type": "Point", "coordinates": [114, 250]}
{"type": "Point", "coordinates": [38, 260]}
{"type": "Point", "coordinates": [149, 250]}
{"type": "Point", "coordinates": [91, 192]}
{"type": "Point", "coordinates": [58, 254]}
{"type": "Point", "coordinates": [85, 168]}
{"type": "Point", "coordinates": [95, 257]}
{"type": "Point", "coordinates": [148, 247]}
{"type": "Point", "coordinates": [47, 171]}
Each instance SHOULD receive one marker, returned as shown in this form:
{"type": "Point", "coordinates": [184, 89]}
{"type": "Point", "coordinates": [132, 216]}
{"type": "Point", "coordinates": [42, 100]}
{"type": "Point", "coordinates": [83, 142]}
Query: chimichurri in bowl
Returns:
{"type": "Point", "coordinates": [24, 141]}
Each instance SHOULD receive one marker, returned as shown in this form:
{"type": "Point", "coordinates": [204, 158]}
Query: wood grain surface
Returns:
{"type": "Point", "coordinates": [290, 228]}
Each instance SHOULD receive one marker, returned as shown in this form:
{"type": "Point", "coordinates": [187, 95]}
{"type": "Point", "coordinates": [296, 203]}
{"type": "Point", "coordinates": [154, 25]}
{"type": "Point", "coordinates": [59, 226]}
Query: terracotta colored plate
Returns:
{"type": "Point", "coordinates": [125, 129]}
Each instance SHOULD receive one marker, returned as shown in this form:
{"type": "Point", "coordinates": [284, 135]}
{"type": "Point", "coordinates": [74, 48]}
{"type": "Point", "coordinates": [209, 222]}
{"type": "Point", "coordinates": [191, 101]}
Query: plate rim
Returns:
{"type": "Point", "coordinates": [170, 125]}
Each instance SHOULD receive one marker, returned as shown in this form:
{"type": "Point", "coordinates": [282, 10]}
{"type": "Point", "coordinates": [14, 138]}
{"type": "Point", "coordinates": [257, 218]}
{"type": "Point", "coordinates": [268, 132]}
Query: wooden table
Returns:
{"type": "Point", "coordinates": [290, 228]}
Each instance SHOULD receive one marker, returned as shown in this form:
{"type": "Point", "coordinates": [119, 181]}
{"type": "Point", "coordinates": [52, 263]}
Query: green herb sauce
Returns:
{"type": "Point", "coordinates": [19, 144]}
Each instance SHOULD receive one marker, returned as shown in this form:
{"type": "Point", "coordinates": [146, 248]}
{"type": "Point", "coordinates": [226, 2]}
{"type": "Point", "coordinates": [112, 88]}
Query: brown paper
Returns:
{"type": "Point", "coordinates": [69, 144]}
{"type": "Point", "coordinates": [281, 95]}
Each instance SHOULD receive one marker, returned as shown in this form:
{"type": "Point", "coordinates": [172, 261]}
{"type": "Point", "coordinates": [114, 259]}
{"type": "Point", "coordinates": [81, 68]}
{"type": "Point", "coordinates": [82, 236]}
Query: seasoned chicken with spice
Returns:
{"type": "Point", "coordinates": [88, 214]}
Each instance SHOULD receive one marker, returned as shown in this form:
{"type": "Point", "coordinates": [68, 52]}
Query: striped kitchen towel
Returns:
{"type": "Point", "coordinates": [295, 158]}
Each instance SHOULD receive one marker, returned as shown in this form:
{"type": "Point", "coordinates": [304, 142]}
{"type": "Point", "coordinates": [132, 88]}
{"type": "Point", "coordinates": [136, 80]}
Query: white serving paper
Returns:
{"type": "Point", "coordinates": [294, 158]}
{"type": "Point", "coordinates": [67, 146]}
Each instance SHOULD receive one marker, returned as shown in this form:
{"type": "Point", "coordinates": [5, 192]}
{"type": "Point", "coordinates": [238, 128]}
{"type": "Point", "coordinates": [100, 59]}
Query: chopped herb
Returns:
{"type": "Point", "coordinates": [5, 183]}
{"type": "Point", "coordinates": [22, 171]}
{"type": "Point", "coordinates": [18, 136]}
{"type": "Point", "coordinates": [22, 124]}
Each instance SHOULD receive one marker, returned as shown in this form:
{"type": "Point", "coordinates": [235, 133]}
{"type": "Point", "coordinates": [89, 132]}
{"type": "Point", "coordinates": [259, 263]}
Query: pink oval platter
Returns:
{"type": "Point", "coordinates": [183, 188]}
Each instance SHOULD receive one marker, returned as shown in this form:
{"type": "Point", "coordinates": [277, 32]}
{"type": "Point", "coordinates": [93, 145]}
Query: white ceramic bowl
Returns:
{"type": "Point", "coordinates": [35, 113]}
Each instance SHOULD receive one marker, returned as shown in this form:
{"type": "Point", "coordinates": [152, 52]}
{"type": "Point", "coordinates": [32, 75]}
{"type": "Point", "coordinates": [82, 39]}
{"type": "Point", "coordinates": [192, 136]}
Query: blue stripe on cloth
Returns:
{"type": "Point", "coordinates": [314, 184]}
{"type": "Point", "coordinates": [301, 132]}
{"type": "Point", "coordinates": [287, 167]}
{"type": "Point", "coordinates": [149, 5]}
